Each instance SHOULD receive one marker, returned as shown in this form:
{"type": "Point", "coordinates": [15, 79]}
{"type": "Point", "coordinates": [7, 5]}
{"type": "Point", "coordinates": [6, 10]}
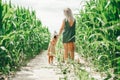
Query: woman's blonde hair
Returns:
{"type": "Point", "coordinates": [68, 14]}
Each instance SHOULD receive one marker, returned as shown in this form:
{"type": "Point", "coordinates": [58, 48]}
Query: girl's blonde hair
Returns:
{"type": "Point", "coordinates": [68, 14]}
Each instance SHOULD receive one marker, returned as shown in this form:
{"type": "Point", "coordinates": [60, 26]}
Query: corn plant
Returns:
{"type": "Point", "coordinates": [98, 26]}
{"type": "Point", "coordinates": [71, 70]}
{"type": "Point", "coordinates": [22, 36]}
{"type": "Point", "coordinates": [0, 13]}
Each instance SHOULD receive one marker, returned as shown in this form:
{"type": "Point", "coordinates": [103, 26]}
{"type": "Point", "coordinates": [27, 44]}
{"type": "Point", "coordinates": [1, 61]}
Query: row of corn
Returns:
{"type": "Point", "coordinates": [22, 36]}
{"type": "Point", "coordinates": [98, 36]}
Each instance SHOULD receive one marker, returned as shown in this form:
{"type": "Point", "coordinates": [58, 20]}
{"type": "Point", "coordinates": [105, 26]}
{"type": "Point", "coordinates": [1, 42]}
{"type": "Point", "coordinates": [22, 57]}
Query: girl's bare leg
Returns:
{"type": "Point", "coordinates": [52, 59]}
{"type": "Point", "coordinates": [49, 59]}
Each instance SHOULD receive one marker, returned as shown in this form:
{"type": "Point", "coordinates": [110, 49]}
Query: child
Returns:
{"type": "Point", "coordinates": [51, 49]}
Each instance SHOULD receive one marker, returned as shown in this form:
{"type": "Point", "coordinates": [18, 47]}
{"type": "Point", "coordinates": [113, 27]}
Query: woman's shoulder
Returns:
{"type": "Point", "coordinates": [74, 19]}
{"type": "Point", "coordinates": [50, 42]}
{"type": "Point", "coordinates": [64, 20]}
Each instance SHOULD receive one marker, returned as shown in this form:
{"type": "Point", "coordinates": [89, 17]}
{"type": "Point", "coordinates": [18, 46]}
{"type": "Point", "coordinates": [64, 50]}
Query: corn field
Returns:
{"type": "Point", "coordinates": [97, 34]}
{"type": "Point", "coordinates": [98, 38]}
{"type": "Point", "coordinates": [22, 36]}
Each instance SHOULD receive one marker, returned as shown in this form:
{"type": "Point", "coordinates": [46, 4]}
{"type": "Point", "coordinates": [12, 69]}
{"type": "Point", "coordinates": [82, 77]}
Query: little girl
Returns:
{"type": "Point", "coordinates": [51, 49]}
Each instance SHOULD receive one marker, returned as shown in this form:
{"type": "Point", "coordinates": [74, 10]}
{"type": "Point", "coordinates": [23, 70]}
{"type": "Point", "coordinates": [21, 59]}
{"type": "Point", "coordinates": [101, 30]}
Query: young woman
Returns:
{"type": "Point", "coordinates": [68, 29]}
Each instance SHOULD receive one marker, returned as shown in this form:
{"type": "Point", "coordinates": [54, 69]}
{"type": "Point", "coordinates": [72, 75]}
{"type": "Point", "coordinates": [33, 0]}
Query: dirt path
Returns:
{"type": "Point", "coordinates": [38, 69]}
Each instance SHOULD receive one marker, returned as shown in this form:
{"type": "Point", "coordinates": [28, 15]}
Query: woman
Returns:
{"type": "Point", "coordinates": [68, 29]}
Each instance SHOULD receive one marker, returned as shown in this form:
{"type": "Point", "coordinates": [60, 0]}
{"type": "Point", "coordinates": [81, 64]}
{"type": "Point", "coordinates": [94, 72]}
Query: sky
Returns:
{"type": "Point", "coordinates": [50, 12]}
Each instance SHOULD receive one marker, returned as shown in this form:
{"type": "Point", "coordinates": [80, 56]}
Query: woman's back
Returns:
{"type": "Point", "coordinates": [69, 32]}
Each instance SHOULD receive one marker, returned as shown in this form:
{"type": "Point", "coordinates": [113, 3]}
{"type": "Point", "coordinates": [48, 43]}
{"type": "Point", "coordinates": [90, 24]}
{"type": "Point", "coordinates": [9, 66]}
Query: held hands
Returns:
{"type": "Point", "coordinates": [57, 38]}
{"type": "Point", "coordinates": [48, 53]}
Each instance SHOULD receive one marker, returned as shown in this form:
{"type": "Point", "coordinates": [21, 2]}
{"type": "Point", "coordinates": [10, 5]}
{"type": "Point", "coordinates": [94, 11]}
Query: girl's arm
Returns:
{"type": "Point", "coordinates": [48, 49]}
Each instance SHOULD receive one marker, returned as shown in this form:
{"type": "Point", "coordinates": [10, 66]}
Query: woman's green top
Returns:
{"type": "Point", "coordinates": [69, 32]}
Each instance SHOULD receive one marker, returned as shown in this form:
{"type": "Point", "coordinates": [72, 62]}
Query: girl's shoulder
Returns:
{"type": "Point", "coordinates": [50, 43]}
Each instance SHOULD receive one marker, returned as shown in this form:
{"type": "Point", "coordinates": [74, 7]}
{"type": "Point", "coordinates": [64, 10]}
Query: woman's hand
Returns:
{"type": "Point", "coordinates": [57, 38]}
{"type": "Point", "coordinates": [48, 53]}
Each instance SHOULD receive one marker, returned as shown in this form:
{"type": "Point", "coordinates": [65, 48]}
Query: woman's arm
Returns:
{"type": "Point", "coordinates": [62, 27]}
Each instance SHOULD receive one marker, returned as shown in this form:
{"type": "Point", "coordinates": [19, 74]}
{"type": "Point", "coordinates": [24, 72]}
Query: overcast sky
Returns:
{"type": "Point", "coordinates": [50, 12]}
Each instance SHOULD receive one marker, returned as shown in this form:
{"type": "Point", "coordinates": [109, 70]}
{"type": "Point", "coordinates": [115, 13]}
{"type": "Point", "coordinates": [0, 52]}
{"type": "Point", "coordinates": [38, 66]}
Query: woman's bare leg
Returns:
{"type": "Point", "coordinates": [71, 48]}
{"type": "Point", "coordinates": [65, 51]}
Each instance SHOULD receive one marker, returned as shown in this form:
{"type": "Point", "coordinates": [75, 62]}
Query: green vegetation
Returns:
{"type": "Point", "coordinates": [97, 30]}
{"type": "Point", "coordinates": [72, 70]}
{"type": "Point", "coordinates": [98, 26]}
{"type": "Point", "coordinates": [22, 36]}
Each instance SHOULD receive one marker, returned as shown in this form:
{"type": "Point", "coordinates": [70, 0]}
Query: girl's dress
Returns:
{"type": "Point", "coordinates": [52, 49]}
